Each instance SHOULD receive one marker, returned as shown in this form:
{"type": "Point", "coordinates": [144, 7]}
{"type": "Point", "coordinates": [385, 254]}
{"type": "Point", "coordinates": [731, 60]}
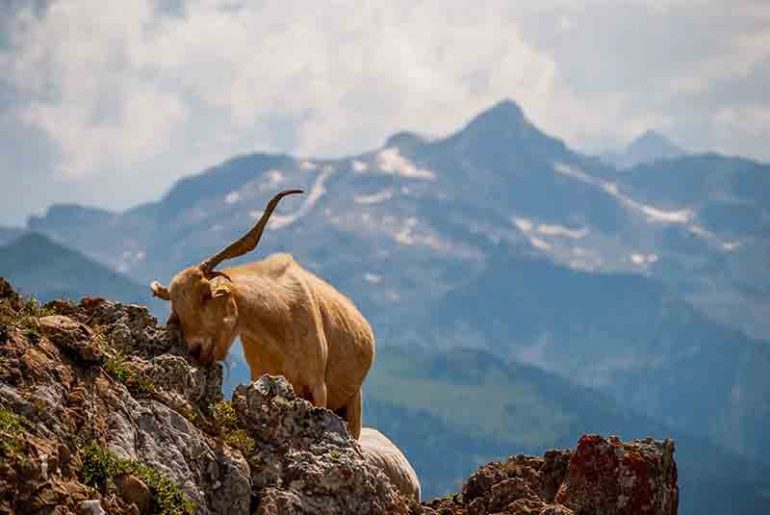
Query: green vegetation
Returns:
{"type": "Point", "coordinates": [124, 371]}
{"type": "Point", "coordinates": [226, 422]}
{"type": "Point", "coordinates": [25, 316]}
{"type": "Point", "coordinates": [11, 435]}
{"type": "Point", "coordinates": [101, 467]}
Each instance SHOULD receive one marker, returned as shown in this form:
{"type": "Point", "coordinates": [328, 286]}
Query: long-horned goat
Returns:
{"type": "Point", "coordinates": [382, 453]}
{"type": "Point", "coordinates": [290, 322]}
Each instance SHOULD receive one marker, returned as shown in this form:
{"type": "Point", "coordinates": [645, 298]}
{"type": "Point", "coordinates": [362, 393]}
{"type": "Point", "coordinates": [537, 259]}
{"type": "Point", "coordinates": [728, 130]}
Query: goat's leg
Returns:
{"type": "Point", "coordinates": [353, 415]}
{"type": "Point", "coordinates": [318, 395]}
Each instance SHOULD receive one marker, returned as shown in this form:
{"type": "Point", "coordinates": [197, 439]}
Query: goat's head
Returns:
{"type": "Point", "coordinates": [203, 300]}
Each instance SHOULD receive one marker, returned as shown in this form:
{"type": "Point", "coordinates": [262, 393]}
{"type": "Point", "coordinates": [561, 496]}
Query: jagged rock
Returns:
{"type": "Point", "coordinates": [607, 477]}
{"type": "Point", "coordinates": [603, 476]}
{"type": "Point", "coordinates": [104, 412]}
{"type": "Point", "coordinates": [306, 461]}
{"type": "Point", "coordinates": [71, 336]}
{"type": "Point", "coordinates": [555, 465]}
{"type": "Point", "coordinates": [481, 482]}
{"type": "Point", "coordinates": [134, 491]}
{"type": "Point", "coordinates": [92, 507]}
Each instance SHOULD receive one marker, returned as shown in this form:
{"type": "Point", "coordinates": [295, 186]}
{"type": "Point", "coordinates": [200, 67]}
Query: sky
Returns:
{"type": "Point", "coordinates": [109, 106]}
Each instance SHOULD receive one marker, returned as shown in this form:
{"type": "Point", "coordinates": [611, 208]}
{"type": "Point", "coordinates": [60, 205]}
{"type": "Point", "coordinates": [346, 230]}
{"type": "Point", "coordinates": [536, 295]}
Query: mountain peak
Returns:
{"type": "Point", "coordinates": [648, 147]}
{"type": "Point", "coordinates": [505, 128]}
{"type": "Point", "coordinates": [652, 139]}
{"type": "Point", "coordinates": [504, 113]}
{"type": "Point", "coordinates": [405, 139]}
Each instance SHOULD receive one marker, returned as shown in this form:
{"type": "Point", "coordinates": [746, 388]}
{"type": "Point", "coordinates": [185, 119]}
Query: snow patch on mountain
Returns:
{"type": "Point", "coordinates": [391, 162]}
{"type": "Point", "coordinates": [535, 232]}
{"type": "Point", "coordinates": [273, 178]}
{"type": "Point", "coordinates": [652, 214]}
{"type": "Point", "coordinates": [523, 224]}
{"type": "Point", "coordinates": [359, 166]}
{"type": "Point", "coordinates": [407, 235]}
{"type": "Point", "coordinates": [130, 258]}
{"type": "Point", "coordinates": [643, 259]}
{"type": "Point", "coordinates": [232, 197]}
{"type": "Point", "coordinates": [307, 166]}
{"type": "Point", "coordinates": [316, 192]}
{"type": "Point", "coordinates": [268, 181]}
{"type": "Point", "coordinates": [584, 259]}
{"type": "Point", "coordinates": [528, 226]}
{"type": "Point", "coordinates": [560, 230]}
{"type": "Point", "coordinates": [540, 244]}
{"type": "Point", "coordinates": [374, 198]}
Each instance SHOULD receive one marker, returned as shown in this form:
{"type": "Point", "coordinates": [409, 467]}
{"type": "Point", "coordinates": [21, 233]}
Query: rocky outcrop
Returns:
{"type": "Point", "coordinates": [103, 411]}
{"type": "Point", "coordinates": [602, 476]}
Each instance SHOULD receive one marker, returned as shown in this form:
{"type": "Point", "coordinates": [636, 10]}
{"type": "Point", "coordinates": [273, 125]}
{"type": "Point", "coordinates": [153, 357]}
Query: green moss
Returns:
{"type": "Point", "coordinates": [226, 422]}
{"type": "Point", "coordinates": [101, 467]}
{"type": "Point", "coordinates": [128, 374]}
{"type": "Point", "coordinates": [11, 434]}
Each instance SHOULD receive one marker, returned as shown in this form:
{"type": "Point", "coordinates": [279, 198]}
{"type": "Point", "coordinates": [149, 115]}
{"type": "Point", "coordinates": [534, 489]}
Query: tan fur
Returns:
{"type": "Point", "coordinates": [291, 323]}
{"type": "Point", "coordinates": [381, 452]}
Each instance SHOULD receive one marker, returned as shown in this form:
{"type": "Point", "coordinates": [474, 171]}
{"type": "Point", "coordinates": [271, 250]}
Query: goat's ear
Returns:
{"type": "Point", "coordinates": [220, 290]}
{"type": "Point", "coordinates": [160, 291]}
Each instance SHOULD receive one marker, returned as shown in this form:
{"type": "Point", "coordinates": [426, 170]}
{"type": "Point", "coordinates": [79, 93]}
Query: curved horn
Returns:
{"type": "Point", "coordinates": [248, 242]}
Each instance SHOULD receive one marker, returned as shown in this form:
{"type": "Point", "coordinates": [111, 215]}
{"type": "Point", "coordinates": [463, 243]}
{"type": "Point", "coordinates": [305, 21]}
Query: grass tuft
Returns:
{"type": "Point", "coordinates": [11, 435]}
{"type": "Point", "coordinates": [226, 422]}
{"type": "Point", "coordinates": [119, 368]}
{"type": "Point", "coordinates": [101, 467]}
{"type": "Point", "coordinates": [25, 316]}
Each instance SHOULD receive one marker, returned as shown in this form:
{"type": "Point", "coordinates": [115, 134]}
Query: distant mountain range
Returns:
{"type": "Point", "coordinates": [647, 148]}
{"type": "Point", "coordinates": [8, 234]}
{"type": "Point", "coordinates": [46, 270]}
{"type": "Point", "coordinates": [650, 284]}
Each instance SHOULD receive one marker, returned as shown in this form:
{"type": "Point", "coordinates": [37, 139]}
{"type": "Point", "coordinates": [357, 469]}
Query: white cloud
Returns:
{"type": "Point", "coordinates": [130, 85]}
{"type": "Point", "coordinates": [133, 91]}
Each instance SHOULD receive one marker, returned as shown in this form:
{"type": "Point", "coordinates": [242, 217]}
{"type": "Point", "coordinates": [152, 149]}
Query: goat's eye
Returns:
{"type": "Point", "coordinates": [206, 295]}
